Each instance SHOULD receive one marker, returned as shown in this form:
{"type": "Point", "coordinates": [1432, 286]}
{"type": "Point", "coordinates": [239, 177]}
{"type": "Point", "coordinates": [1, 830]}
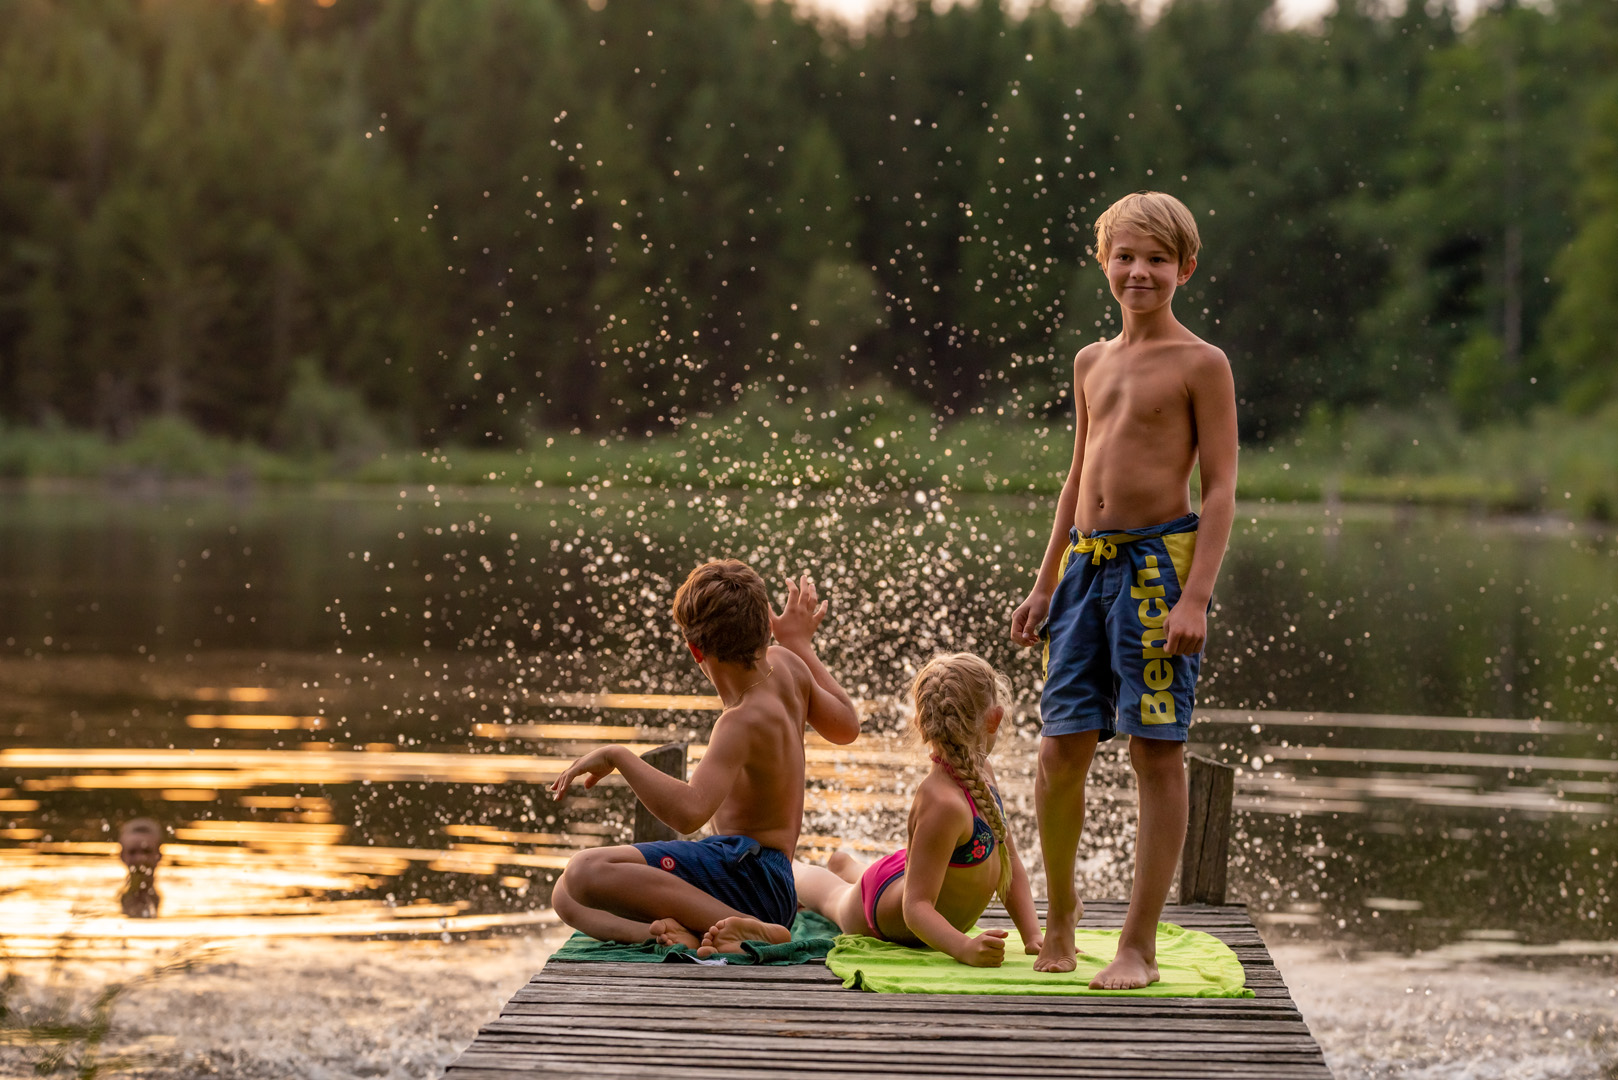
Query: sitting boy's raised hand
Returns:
{"type": "Point", "coordinates": [800, 616]}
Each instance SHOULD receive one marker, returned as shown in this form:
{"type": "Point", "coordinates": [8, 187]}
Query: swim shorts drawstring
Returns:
{"type": "Point", "coordinates": [1101, 547]}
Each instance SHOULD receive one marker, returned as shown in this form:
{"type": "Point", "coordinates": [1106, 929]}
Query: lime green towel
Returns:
{"type": "Point", "coordinates": [811, 938]}
{"type": "Point", "coordinates": [1191, 963]}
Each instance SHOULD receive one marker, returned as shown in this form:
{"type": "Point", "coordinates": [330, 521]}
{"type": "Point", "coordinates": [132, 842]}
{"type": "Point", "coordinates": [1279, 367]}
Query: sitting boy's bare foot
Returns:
{"type": "Point", "coordinates": [670, 932]}
{"type": "Point", "coordinates": [845, 866]}
{"type": "Point", "coordinates": [1129, 970]}
{"type": "Point", "coordinates": [727, 935]}
{"type": "Point", "coordinates": [1059, 953]}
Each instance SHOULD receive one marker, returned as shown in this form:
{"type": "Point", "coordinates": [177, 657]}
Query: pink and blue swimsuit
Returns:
{"type": "Point", "coordinates": [890, 868]}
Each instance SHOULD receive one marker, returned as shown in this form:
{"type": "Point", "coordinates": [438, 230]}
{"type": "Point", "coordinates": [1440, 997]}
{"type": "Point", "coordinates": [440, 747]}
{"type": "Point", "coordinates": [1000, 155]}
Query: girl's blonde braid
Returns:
{"type": "Point", "coordinates": [951, 695]}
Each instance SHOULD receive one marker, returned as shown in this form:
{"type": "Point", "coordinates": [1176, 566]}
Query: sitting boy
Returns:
{"type": "Point", "coordinates": [750, 781]}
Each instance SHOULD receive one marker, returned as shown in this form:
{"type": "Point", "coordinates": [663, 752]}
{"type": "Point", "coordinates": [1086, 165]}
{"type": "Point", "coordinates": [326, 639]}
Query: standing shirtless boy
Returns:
{"type": "Point", "coordinates": [1123, 592]}
{"type": "Point", "coordinates": [735, 885]}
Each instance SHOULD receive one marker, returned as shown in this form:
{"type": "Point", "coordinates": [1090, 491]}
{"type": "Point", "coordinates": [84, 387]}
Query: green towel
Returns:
{"type": "Point", "coordinates": [811, 939]}
{"type": "Point", "coordinates": [1192, 964]}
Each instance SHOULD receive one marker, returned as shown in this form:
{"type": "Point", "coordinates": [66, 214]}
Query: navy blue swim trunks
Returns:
{"type": "Point", "coordinates": [1105, 666]}
{"type": "Point", "coordinates": [735, 870]}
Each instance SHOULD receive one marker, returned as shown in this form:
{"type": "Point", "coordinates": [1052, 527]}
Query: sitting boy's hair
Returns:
{"type": "Point", "coordinates": [951, 693]}
{"type": "Point", "coordinates": [1162, 217]}
{"type": "Point", "coordinates": [724, 610]}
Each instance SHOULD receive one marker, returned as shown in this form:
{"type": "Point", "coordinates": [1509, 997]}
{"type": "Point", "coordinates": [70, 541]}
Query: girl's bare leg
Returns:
{"type": "Point", "coordinates": [826, 893]}
{"type": "Point", "coordinates": [846, 866]}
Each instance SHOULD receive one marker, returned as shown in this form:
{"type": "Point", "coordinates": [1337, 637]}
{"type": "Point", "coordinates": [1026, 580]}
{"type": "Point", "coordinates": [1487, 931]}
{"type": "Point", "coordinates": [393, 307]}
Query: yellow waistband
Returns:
{"type": "Point", "coordinates": [1100, 547]}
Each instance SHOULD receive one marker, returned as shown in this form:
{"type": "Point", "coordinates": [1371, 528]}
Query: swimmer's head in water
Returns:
{"type": "Point", "coordinates": [140, 842]}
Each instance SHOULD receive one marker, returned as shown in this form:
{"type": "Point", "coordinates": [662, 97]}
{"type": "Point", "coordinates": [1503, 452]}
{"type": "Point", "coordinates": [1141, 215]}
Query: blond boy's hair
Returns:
{"type": "Point", "coordinates": [723, 609]}
{"type": "Point", "coordinates": [1162, 217]}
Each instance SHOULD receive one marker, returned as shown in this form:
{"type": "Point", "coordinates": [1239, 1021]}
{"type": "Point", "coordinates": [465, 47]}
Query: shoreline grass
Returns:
{"type": "Point", "coordinates": [878, 440]}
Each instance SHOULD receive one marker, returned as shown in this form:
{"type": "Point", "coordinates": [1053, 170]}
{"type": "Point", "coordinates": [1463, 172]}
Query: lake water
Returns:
{"type": "Point", "coordinates": [342, 706]}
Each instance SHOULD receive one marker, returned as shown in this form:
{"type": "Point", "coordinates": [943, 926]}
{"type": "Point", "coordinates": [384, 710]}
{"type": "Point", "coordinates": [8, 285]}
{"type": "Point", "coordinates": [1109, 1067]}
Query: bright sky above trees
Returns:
{"type": "Point", "coordinates": [1293, 11]}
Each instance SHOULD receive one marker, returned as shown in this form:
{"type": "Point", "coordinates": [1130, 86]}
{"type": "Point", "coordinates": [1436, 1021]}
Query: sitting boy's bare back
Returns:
{"type": "Point", "coordinates": [765, 731]}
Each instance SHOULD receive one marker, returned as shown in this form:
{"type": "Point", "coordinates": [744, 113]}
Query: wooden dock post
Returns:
{"type": "Point", "coordinates": [1207, 835]}
{"type": "Point", "coordinates": [668, 758]}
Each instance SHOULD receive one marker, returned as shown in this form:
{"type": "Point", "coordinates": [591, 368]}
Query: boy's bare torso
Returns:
{"type": "Point", "coordinates": [766, 802]}
{"type": "Point", "coordinates": [1139, 430]}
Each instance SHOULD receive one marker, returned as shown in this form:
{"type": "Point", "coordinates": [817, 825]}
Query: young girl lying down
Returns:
{"type": "Point", "coordinates": [959, 853]}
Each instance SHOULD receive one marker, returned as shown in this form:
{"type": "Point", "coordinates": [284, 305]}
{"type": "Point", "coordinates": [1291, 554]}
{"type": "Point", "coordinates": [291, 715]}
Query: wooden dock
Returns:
{"type": "Point", "coordinates": [774, 1023]}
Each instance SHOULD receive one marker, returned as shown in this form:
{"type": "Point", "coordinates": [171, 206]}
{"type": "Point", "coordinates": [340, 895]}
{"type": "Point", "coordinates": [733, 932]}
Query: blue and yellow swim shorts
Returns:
{"type": "Point", "coordinates": [1105, 666]}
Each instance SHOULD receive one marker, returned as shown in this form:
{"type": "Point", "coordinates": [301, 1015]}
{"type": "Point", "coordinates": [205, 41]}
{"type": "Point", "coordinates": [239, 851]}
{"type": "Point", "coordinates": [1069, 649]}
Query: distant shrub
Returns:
{"type": "Point", "coordinates": [320, 419]}
{"type": "Point", "coordinates": [50, 451]}
{"type": "Point", "coordinates": [173, 446]}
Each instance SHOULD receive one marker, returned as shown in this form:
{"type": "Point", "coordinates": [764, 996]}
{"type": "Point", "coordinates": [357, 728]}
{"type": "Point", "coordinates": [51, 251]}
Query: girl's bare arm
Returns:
{"type": "Point", "coordinates": [1020, 902]}
{"type": "Point", "coordinates": [939, 827]}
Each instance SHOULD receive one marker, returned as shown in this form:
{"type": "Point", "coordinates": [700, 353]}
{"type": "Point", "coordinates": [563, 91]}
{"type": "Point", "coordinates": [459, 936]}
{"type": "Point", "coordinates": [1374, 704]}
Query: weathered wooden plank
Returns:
{"type": "Point", "coordinates": [793, 1052]}
{"type": "Point", "coordinates": [651, 1015]}
{"type": "Point", "coordinates": [974, 1009]}
{"type": "Point", "coordinates": [996, 1058]}
{"type": "Point", "coordinates": [1155, 1044]}
{"type": "Point", "coordinates": [789, 1064]}
{"type": "Point", "coordinates": [912, 1064]}
{"type": "Point", "coordinates": [504, 1067]}
{"type": "Point", "coordinates": [970, 1008]}
{"type": "Point", "coordinates": [668, 758]}
{"type": "Point", "coordinates": [853, 1025]}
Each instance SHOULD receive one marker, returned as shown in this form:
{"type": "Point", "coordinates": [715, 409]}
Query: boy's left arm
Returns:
{"type": "Point", "coordinates": [1213, 410]}
{"type": "Point", "coordinates": [1020, 904]}
{"type": "Point", "coordinates": [832, 713]}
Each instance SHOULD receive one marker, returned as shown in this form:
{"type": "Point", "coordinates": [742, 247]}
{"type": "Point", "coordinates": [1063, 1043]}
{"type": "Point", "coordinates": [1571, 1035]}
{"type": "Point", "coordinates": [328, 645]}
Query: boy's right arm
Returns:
{"type": "Point", "coordinates": [831, 711]}
{"type": "Point", "coordinates": [1030, 614]}
{"type": "Point", "coordinates": [683, 806]}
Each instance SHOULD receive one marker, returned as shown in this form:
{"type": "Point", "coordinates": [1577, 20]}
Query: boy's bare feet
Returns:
{"type": "Point", "coordinates": [727, 935]}
{"type": "Point", "coordinates": [1060, 951]}
{"type": "Point", "coordinates": [670, 932]}
{"type": "Point", "coordinates": [845, 866]}
{"type": "Point", "coordinates": [1129, 970]}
